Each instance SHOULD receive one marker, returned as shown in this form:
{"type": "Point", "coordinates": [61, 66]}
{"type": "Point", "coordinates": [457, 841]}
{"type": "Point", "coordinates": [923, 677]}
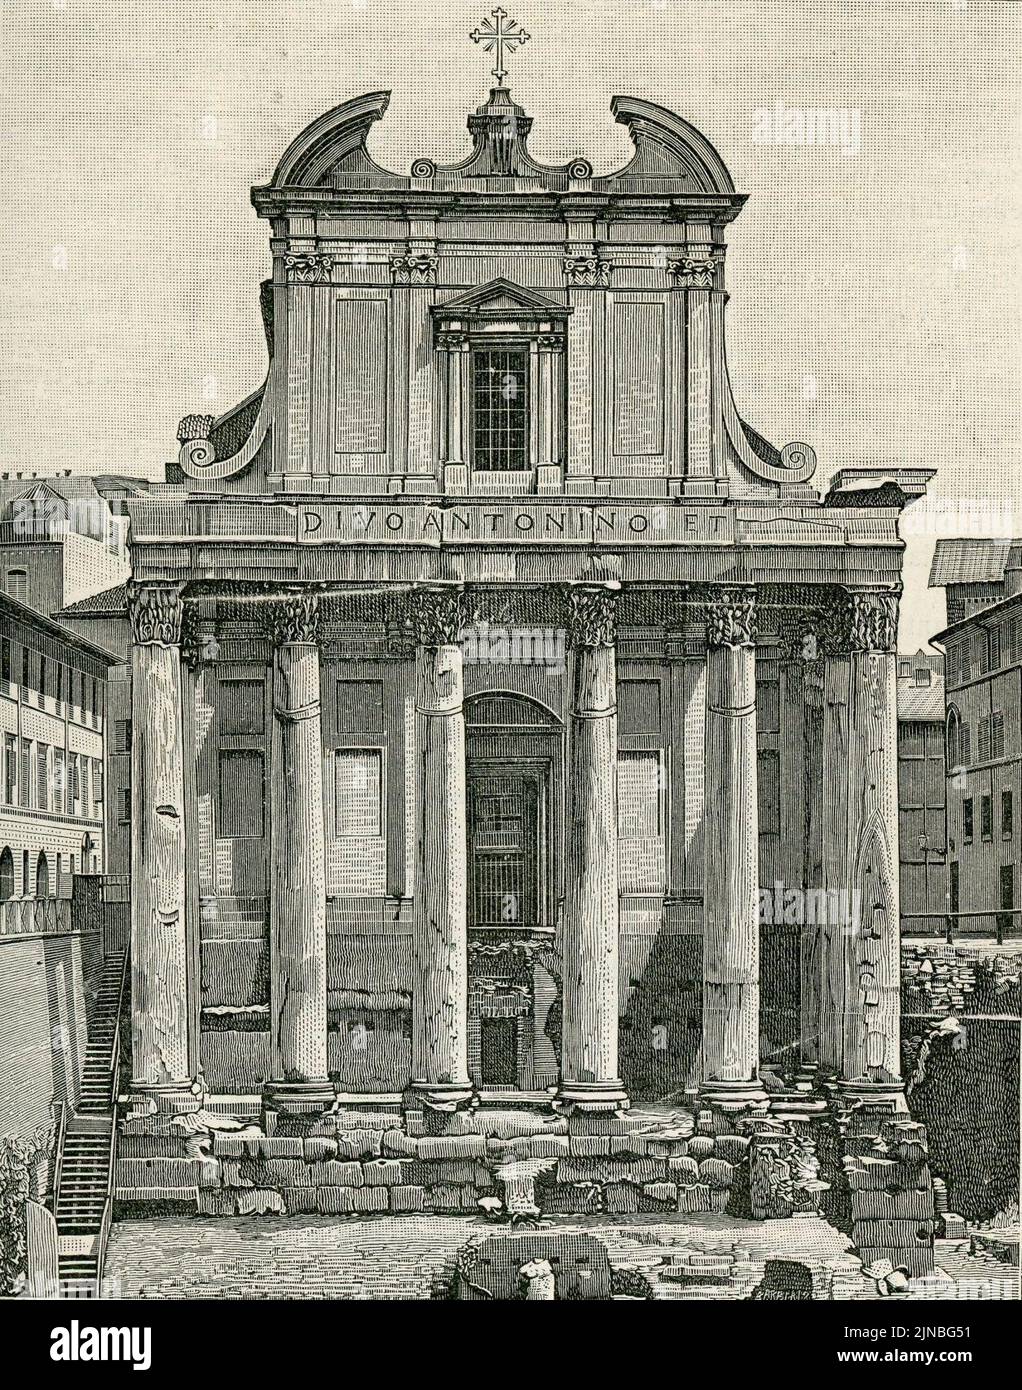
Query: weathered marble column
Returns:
{"type": "Point", "coordinates": [160, 977]}
{"type": "Point", "coordinates": [860, 941]}
{"type": "Point", "coordinates": [589, 1031]}
{"type": "Point", "coordinates": [440, 1001]}
{"type": "Point", "coordinates": [298, 1056]}
{"type": "Point", "coordinates": [731, 874]}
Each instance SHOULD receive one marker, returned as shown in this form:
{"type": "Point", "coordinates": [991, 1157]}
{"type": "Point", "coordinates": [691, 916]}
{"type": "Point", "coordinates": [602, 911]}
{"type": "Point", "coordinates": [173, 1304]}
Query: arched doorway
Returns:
{"type": "Point", "coordinates": [42, 876]}
{"type": "Point", "coordinates": [6, 874]}
{"type": "Point", "coordinates": [514, 811]}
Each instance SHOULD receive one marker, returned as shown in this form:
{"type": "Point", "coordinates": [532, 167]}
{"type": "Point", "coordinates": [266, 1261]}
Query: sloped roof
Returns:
{"type": "Point", "coordinates": [109, 602]}
{"type": "Point", "coordinates": [922, 702]}
{"type": "Point", "coordinates": [969, 561]}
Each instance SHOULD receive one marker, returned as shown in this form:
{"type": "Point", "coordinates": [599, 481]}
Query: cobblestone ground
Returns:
{"type": "Point", "coordinates": [398, 1258]}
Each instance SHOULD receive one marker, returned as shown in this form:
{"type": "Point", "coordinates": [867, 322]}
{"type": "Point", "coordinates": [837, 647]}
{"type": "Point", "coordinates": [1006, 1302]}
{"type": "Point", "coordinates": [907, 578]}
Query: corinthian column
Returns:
{"type": "Point", "coordinates": [589, 1064]}
{"type": "Point", "coordinates": [298, 1055]}
{"type": "Point", "coordinates": [159, 943]}
{"type": "Point", "coordinates": [860, 946]}
{"type": "Point", "coordinates": [440, 1002]}
{"type": "Point", "coordinates": [731, 872]}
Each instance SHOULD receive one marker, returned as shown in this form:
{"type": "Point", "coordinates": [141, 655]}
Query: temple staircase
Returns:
{"type": "Point", "coordinates": [86, 1146]}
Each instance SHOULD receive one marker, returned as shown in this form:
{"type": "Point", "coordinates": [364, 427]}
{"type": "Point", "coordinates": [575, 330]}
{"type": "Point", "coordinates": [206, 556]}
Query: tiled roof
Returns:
{"type": "Point", "coordinates": [922, 702]}
{"type": "Point", "coordinates": [108, 601]}
{"type": "Point", "coordinates": [972, 561]}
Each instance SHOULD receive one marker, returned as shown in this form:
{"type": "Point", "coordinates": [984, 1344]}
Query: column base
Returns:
{"type": "Point", "coordinates": [734, 1095]}
{"type": "Point", "coordinates": [442, 1096]}
{"type": "Point", "coordinates": [170, 1097]}
{"type": "Point", "coordinates": [888, 1095]}
{"type": "Point", "coordinates": [299, 1097]}
{"type": "Point", "coordinates": [592, 1095]}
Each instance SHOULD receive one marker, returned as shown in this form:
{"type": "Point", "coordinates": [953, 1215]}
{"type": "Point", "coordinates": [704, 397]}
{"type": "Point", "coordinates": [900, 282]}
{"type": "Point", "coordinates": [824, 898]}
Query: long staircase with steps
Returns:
{"type": "Point", "coordinates": [86, 1150]}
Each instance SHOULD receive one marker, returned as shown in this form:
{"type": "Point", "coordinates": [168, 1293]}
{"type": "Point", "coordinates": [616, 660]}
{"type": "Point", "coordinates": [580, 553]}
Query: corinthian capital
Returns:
{"type": "Point", "coordinates": [873, 621]}
{"type": "Point", "coordinates": [437, 615]}
{"type": "Point", "coordinates": [155, 614]}
{"type": "Point", "coordinates": [731, 616]}
{"type": "Point", "coordinates": [295, 618]}
{"type": "Point", "coordinates": [591, 616]}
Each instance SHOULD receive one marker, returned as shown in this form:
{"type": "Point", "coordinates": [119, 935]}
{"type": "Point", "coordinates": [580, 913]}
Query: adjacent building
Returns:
{"type": "Point", "coordinates": [983, 662]}
{"type": "Point", "coordinates": [921, 794]}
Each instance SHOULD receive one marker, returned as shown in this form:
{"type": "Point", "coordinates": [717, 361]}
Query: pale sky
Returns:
{"type": "Point", "coordinates": [875, 292]}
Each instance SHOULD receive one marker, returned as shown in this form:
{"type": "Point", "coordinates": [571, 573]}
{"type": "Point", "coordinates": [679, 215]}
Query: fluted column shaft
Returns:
{"type": "Point", "coordinates": [159, 944]}
{"type": "Point", "coordinates": [589, 1061]}
{"type": "Point", "coordinates": [860, 955]}
{"type": "Point", "coordinates": [298, 979]}
{"type": "Point", "coordinates": [731, 874]}
{"type": "Point", "coordinates": [440, 1003]}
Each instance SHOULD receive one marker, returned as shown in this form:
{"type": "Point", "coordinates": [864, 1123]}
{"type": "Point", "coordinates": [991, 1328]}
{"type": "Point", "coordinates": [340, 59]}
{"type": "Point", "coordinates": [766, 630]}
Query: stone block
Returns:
{"type": "Point", "coordinates": [637, 1170]}
{"type": "Point", "coordinates": [452, 1146]}
{"type": "Point", "coordinates": [158, 1172]}
{"type": "Point", "coordinates": [446, 1198]}
{"type": "Point", "coordinates": [954, 1226]}
{"type": "Point", "coordinates": [602, 1122]}
{"type": "Point", "coordinates": [370, 1199]}
{"type": "Point", "coordinates": [210, 1173]}
{"type": "Point", "coordinates": [255, 1201]}
{"type": "Point", "coordinates": [636, 1145]}
{"type": "Point", "coordinates": [684, 1171]}
{"type": "Point", "coordinates": [363, 1121]}
{"type": "Point", "coordinates": [318, 1150]}
{"type": "Point", "coordinates": [151, 1146]}
{"type": "Point", "coordinates": [359, 1143]}
{"type": "Point", "coordinates": [621, 1197]}
{"type": "Point", "coordinates": [532, 1146]}
{"type": "Point", "coordinates": [336, 1172]}
{"type": "Point", "coordinates": [407, 1198]}
{"type": "Point", "coordinates": [719, 1198]}
{"type": "Point", "coordinates": [300, 1201]}
{"type": "Point", "coordinates": [700, 1146]}
{"type": "Point", "coordinates": [576, 1199]}
{"type": "Point", "coordinates": [440, 1172]}
{"type": "Point", "coordinates": [383, 1172]}
{"type": "Point", "coordinates": [716, 1173]}
{"type": "Point", "coordinates": [667, 1148]}
{"type": "Point", "coordinates": [732, 1148]}
{"type": "Point", "coordinates": [894, 1233]}
{"type": "Point", "coordinates": [397, 1144]}
{"type": "Point", "coordinates": [589, 1145]}
{"type": "Point", "coordinates": [335, 1201]}
{"type": "Point", "coordinates": [230, 1146]}
{"type": "Point", "coordinates": [287, 1172]}
{"type": "Point", "coordinates": [875, 1204]}
{"type": "Point", "coordinates": [278, 1146]}
{"type": "Point", "coordinates": [877, 1173]}
{"type": "Point", "coordinates": [694, 1199]}
{"type": "Point", "coordinates": [659, 1196]}
{"type": "Point", "coordinates": [217, 1201]}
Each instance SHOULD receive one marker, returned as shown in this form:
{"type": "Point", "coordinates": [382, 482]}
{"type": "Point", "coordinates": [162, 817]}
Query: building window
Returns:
{"type": "Point", "coordinates": [42, 776]}
{"type": "Point", "coordinates": [984, 739]}
{"type": "Point", "coordinates": [997, 734]}
{"type": "Point", "coordinates": [42, 877]}
{"type": "Point", "coordinates": [97, 784]}
{"type": "Point", "coordinates": [954, 739]}
{"type": "Point", "coordinates": [10, 769]}
{"type": "Point", "coordinates": [358, 792]}
{"type": "Point", "coordinates": [6, 874]}
{"type": "Point", "coordinates": [59, 783]}
{"type": "Point", "coordinates": [994, 641]}
{"type": "Point", "coordinates": [17, 585]}
{"type": "Point", "coordinates": [5, 659]}
{"type": "Point", "coordinates": [124, 818]}
{"type": "Point", "coordinates": [967, 820]}
{"type": "Point", "coordinates": [500, 409]}
{"type": "Point", "coordinates": [904, 668]}
{"type": "Point", "coordinates": [923, 676]}
{"type": "Point", "coordinates": [986, 817]}
{"type": "Point", "coordinates": [1007, 816]}
{"type": "Point", "coordinates": [1005, 918]}
{"type": "Point", "coordinates": [242, 793]}
{"type": "Point", "coordinates": [952, 888]}
{"type": "Point", "coordinates": [25, 774]}
{"type": "Point", "coordinates": [122, 735]}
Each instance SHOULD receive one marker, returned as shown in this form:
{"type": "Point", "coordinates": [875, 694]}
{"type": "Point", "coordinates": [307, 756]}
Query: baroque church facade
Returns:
{"type": "Point", "coordinates": [494, 681]}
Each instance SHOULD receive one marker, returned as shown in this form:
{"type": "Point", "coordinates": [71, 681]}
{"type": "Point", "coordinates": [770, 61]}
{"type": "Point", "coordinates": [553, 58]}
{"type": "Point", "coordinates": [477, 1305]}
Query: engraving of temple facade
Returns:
{"type": "Point", "coordinates": [510, 718]}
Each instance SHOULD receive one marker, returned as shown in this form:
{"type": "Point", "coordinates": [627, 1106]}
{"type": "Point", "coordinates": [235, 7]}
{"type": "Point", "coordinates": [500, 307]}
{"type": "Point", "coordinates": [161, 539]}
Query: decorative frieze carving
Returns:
{"type": "Point", "coordinates": [437, 615]}
{"type": "Point", "coordinates": [417, 268]}
{"type": "Point", "coordinates": [199, 642]}
{"type": "Point", "coordinates": [874, 621]}
{"type": "Point", "coordinates": [308, 267]}
{"type": "Point", "coordinates": [731, 616]}
{"type": "Point", "coordinates": [591, 616]}
{"type": "Point", "coordinates": [587, 270]}
{"type": "Point", "coordinates": [155, 612]}
{"type": "Point", "coordinates": [694, 272]}
{"type": "Point", "coordinates": [295, 618]}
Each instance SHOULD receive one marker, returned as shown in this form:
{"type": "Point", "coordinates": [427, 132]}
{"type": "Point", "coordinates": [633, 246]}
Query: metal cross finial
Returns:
{"type": "Point", "coordinates": [494, 33]}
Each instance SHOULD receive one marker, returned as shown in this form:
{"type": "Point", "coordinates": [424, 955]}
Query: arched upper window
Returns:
{"type": "Point", "coordinates": [953, 737]}
{"type": "Point", "coordinates": [42, 877]}
{"type": "Point", "coordinates": [17, 585]}
{"type": "Point", "coordinates": [6, 874]}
